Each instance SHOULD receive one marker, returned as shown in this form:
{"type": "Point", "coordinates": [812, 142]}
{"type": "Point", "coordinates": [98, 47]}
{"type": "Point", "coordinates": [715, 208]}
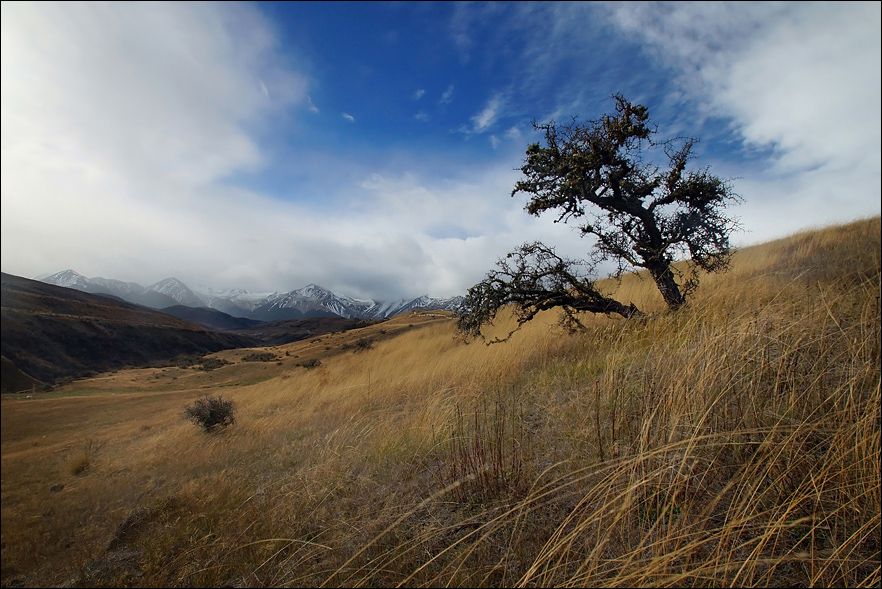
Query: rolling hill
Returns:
{"type": "Point", "coordinates": [210, 318]}
{"type": "Point", "coordinates": [51, 332]}
{"type": "Point", "coordinates": [734, 442]}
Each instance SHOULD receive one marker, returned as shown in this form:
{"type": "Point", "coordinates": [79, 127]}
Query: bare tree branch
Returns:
{"type": "Point", "coordinates": [596, 174]}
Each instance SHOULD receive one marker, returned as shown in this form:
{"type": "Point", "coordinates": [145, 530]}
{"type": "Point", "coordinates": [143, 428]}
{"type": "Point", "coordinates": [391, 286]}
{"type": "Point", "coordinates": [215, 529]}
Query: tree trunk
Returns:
{"type": "Point", "coordinates": [667, 286]}
{"type": "Point", "coordinates": [601, 304]}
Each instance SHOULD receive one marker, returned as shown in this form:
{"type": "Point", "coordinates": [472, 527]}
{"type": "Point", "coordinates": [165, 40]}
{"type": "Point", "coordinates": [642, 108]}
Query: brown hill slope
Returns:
{"type": "Point", "coordinates": [735, 442]}
{"type": "Point", "coordinates": [50, 332]}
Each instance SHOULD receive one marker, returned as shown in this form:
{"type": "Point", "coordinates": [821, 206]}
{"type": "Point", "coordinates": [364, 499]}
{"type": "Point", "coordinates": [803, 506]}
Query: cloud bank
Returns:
{"type": "Point", "coordinates": [125, 126]}
{"type": "Point", "coordinates": [800, 80]}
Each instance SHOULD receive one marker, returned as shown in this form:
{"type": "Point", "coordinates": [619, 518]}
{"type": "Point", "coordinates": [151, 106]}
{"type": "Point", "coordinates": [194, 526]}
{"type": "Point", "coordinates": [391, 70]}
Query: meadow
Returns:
{"type": "Point", "coordinates": [733, 442]}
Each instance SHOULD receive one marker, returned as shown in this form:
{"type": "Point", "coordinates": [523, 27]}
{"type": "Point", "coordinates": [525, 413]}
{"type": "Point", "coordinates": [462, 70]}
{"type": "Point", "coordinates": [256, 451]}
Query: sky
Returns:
{"type": "Point", "coordinates": [372, 148]}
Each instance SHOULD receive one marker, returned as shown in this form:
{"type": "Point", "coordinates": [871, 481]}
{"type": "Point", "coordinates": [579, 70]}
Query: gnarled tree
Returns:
{"type": "Point", "coordinates": [606, 178]}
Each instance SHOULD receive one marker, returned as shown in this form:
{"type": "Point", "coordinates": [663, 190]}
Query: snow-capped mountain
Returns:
{"type": "Point", "coordinates": [310, 301]}
{"type": "Point", "coordinates": [177, 290]}
{"type": "Point", "coordinates": [68, 279]}
{"type": "Point", "coordinates": [234, 301]}
{"type": "Point", "coordinates": [128, 291]}
{"type": "Point", "coordinates": [313, 300]}
{"type": "Point", "coordinates": [116, 286]}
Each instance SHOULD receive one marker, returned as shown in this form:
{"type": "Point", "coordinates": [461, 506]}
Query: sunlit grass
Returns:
{"type": "Point", "coordinates": [735, 442]}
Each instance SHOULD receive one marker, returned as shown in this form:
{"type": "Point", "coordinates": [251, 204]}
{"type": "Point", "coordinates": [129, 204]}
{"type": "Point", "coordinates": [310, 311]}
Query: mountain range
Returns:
{"type": "Point", "coordinates": [49, 333]}
{"type": "Point", "coordinates": [310, 301]}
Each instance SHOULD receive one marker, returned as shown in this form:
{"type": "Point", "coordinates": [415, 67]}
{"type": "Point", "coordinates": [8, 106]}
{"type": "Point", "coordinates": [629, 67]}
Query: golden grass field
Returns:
{"type": "Point", "coordinates": [734, 442]}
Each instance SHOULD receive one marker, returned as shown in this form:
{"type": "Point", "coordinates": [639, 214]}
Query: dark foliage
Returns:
{"type": "Point", "coordinates": [359, 345]}
{"type": "Point", "coordinates": [602, 177]}
{"type": "Point", "coordinates": [260, 357]}
{"type": "Point", "coordinates": [533, 279]}
{"type": "Point", "coordinates": [213, 363]}
{"type": "Point", "coordinates": [211, 412]}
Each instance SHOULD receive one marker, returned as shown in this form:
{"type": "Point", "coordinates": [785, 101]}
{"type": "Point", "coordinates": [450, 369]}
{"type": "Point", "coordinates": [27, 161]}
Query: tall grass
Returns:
{"type": "Point", "coordinates": [734, 442]}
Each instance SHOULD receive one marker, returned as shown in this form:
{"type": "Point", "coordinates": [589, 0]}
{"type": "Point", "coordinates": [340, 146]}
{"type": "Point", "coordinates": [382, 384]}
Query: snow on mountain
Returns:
{"type": "Point", "coordinates": [310, 301]}
{"type": "Point", "coordinates": [177, 290]}
{"type": "Point", "coordinates": [67, 279]}
{"type": "Point", "coordinates": [117, 286]}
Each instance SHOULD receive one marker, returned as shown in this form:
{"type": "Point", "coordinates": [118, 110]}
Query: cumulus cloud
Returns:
{"type": "Point", "coordinates": [122, 125]}
{"type": "Point", "coordinates": [348, 117]}
{"type": "Point", "coordinates": [418, 93]}
{"type": "Point", "coordinates": [119, 121]}
{"type": "Point", "coordinates": [801, 80]}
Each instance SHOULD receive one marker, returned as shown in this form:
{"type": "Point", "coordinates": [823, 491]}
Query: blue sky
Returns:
{"type": "Point", "coordinates": [372, 147]}
{"type": "Point", "coordinates": [416, 79]}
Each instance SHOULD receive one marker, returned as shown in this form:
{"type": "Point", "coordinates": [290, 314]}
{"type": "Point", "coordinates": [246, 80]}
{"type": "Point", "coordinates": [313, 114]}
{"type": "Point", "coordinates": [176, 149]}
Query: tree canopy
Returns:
{"type": "Point", "coordinates": [636, 197]}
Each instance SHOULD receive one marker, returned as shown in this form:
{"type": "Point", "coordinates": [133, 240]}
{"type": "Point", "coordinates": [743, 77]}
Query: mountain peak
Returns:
{"type": "Point", "coordinates": [67, 278]}
{"type": "Point", "coordinates": [178, 291]}
{"type": "Point", "coordinates": [170, 281]}
{"type": "Point", "coordinates": [312, 300]}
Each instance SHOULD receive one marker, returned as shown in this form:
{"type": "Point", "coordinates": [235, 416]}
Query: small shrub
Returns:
{"type": "Point", "coordinates": [213, 363]}
{"type": "Point", "coordinates": [359, 345]}
{"type": "Point", "coordinates": [186, 361]}
{"type": "Point", "coordinates": [211, 412]}
{"type": "Point", "coordinates": [363, 344]}
{"type": "Point", "coordinates": [313, 363]}
{"type": "Point", "coordinates": [260, 357]}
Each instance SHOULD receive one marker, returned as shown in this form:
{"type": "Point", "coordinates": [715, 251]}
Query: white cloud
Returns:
{"type": "Point", "coordinates": [421, 117]}
{"type": "Point", "coordinates": [418, 93]}
{"type": "Point", "coordinates": [485, 119]}
{"type": "Point", "coordinates": [348, 117]}
{"type": "Point", "coordinates": [447, 96]}
{"type": "Point", "coordinates": [121, 125]}
{"type": "Point", "coordinates": [801, 79]}
{"type": "Point", "coordinates": [494, 141]}
{"type": "Point", "coordinates": [310, 106]}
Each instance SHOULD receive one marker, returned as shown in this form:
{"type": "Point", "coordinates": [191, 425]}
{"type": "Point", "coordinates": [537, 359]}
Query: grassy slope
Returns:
{"type": "Point", "coordinates": [50, 332]}
{"type": "Point", "coordinates": [734, 442]}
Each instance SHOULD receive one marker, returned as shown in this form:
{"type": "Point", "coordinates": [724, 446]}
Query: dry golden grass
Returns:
{"type": "Point", "coordinates": [735, 442]}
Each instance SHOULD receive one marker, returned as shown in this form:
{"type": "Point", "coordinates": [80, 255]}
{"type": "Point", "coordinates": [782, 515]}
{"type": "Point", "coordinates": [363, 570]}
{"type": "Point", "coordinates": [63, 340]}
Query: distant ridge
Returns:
{"type": "Point", "coordinates": [310, 301]}
{"type": "Point", "coordinates": [51, 332]}
{"type": "Point", "coordinates": [211, 318]}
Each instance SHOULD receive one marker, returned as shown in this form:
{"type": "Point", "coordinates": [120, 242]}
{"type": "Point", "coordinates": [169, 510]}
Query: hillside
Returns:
{"type": "Point", "coordinates": [274, 333]}
{"type": "Point", "coordinates": [210, 318]}
{"type": "Point", "coordinates": [50, 332]}
{"type": "Point", "coordinates": [735, 442]}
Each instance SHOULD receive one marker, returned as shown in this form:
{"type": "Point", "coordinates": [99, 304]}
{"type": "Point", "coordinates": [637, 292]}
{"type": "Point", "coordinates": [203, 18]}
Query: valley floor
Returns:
{"type": "Point", "coordinates": [735, 442]}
